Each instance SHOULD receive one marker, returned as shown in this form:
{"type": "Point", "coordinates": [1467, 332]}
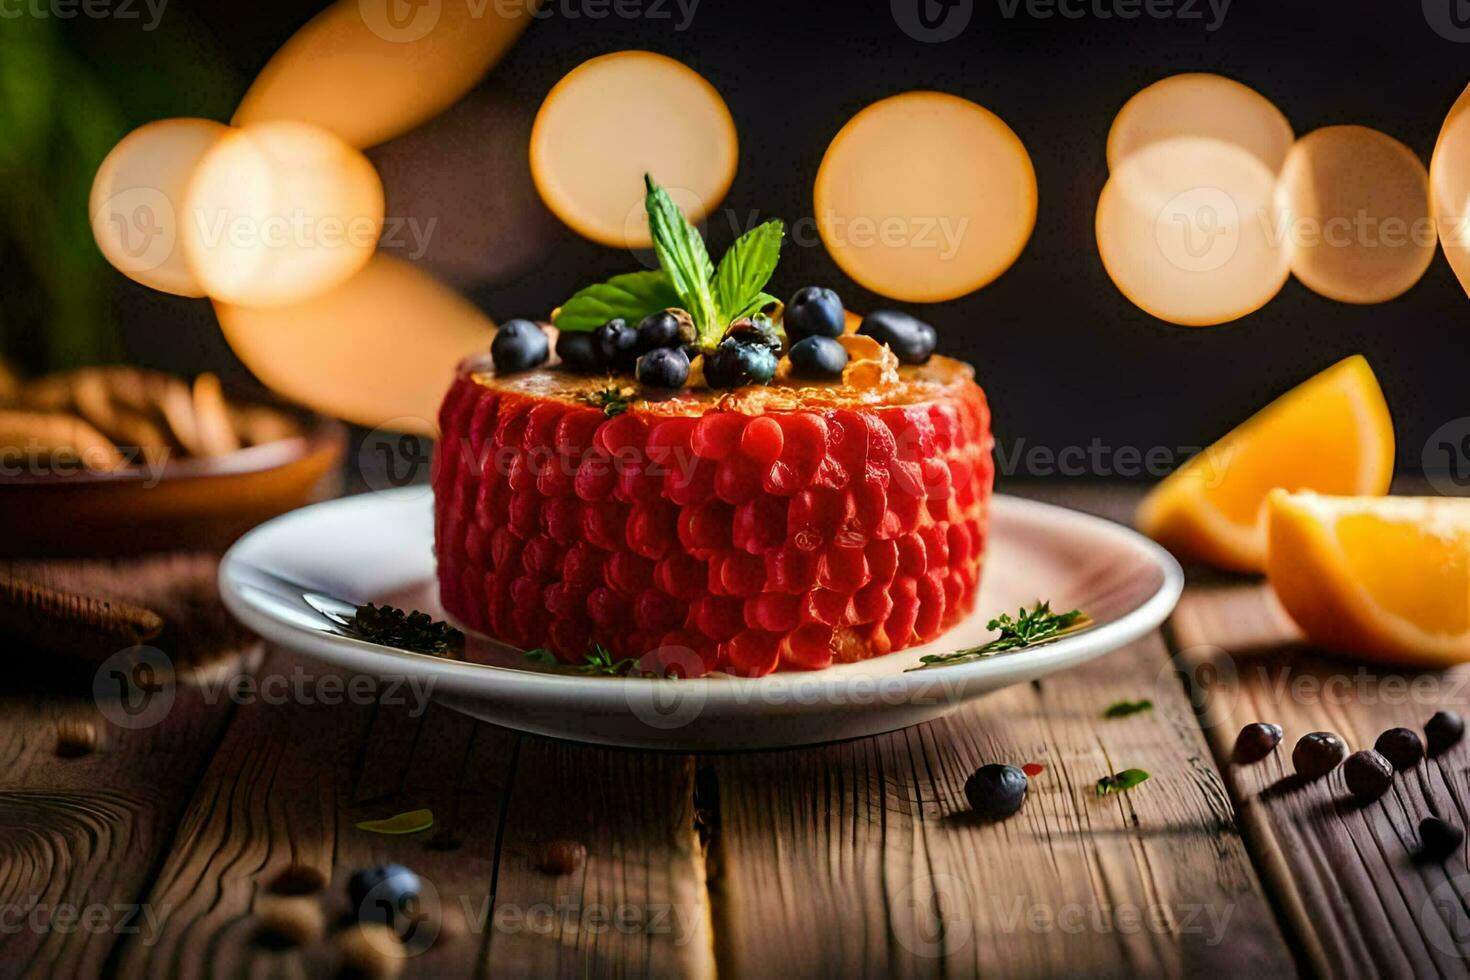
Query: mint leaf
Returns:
{"type": "Point", "coordinates": [682, 255]}
{"type": "Point", "coordinates": [1125, 708]}
{"type": "Point", "coordinates": [756, 305]}
{"type": "Point", "coordinates": [632, 296]}
{"type": "Point", "coordinates": [746, 268]}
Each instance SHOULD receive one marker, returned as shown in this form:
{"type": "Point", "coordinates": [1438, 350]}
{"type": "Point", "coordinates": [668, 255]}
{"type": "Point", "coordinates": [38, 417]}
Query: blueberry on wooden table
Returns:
{"type": "Point", "coordinates": [1443, 730]}
{"type": "Point", "coordinates": [1256, 741]}
{"type": "Point", "coordinates": [911, 339]}
{"type": "Point", "coordinates": [1438, 839]}
{"type": "Point", "coordinates": [576, 350]}
{"type": "Point", "coordinates": [817, 358]}
{"type": "Point", "coordinates": [663, 367]}
{"type": "Point", "coordinates": [814, 311]}
{"type": "Point", "coordinates": [996, 791]}
{"type": "Point", "coordinates": [1368, 775]}
{"type": "Point", "coordinates": [519, 345]}
{"type": "Point", "coordinates": [379, 893]}
{"type": "Point", "coordinates": [1317, 753]}
{"type": "Point", "coordinates": [1400, 746]}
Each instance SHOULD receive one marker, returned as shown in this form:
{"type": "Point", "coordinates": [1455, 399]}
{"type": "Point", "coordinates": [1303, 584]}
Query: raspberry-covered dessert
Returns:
{"type": "Point", "coordinates": [706, 480]}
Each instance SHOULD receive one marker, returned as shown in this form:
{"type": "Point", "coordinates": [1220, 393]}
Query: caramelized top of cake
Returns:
{"type": "Point", "coordinates": [865, 383]}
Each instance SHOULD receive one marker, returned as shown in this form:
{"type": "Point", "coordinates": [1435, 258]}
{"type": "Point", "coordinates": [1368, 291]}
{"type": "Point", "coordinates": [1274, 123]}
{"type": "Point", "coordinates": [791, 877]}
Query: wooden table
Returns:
{"type": "Point", "coordinates": [854, 858]}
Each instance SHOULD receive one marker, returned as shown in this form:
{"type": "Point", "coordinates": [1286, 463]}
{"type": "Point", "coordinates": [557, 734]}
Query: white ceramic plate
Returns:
{"type": "Point", "coordinates": [377, 547]}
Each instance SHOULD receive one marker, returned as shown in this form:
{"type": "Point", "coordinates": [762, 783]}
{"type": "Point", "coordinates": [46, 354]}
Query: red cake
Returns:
{"type": "Point", "coordinates": [778, 527]}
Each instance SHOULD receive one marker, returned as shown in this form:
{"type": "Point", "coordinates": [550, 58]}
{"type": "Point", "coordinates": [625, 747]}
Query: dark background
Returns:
{"type": "Point", "coordinates": [1065, 358]}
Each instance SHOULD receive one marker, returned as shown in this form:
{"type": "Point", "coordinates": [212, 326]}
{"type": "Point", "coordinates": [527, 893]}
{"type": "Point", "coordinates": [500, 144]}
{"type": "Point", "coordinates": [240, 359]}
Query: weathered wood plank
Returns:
{"type": "Point", "coordinates": [859, 858]}
{"type": "Point", "coordinates": [81, 838]}
{"type": "Point", "coordinates": [291, 780]}
{"type": "Point", "coordinates": [1344, 875]}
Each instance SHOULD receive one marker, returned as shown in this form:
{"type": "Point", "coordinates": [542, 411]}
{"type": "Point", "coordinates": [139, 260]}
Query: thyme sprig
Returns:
{"type": "Point", "coordinates": [1028, 628]}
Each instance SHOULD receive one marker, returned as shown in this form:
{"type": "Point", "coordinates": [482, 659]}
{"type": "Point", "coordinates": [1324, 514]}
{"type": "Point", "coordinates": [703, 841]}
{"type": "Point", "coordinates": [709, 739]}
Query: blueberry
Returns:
{"type": "Point", "coordinates": [616, 344]}
{"type": "Point", "coordinates": [518, 346]}
{"type": "Point", "coordinates": [911, 339]}
{"type": "Point", "coordinates": [996, 791]}
{"type": "Point", "coordinates": [733, 364]}
{"type": "Point", "coordinates": [666, 328]}
{"type": "Point", "coordinates": [1317, 753]}
{"type": "Point", "coordinates": [817, 357]}
{"type": "Point", "coordinates": [383, 893]}
{"type": "Point", "coordinates": [1368, 775]}
{"type": "Point", "coordinates": [1438, 839]}
{"type": "Point", "coordinates": [663, 367]}
{"type": "Point", "coordinates": [576, 350]}
{"type": "Point", "coordinates": [1256, 741]}
{"type": "Point", "coordinates": [1400, 746]}
{"type": "Point", "coordinates": [814, 311]}
{"type": "Point", "coordinates": [1443, 730]}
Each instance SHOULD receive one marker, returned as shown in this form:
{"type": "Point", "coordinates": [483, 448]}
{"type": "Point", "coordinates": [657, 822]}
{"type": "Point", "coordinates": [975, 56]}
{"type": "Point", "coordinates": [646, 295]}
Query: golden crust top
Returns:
{"type": "Point", "coordinates": [905, 386]}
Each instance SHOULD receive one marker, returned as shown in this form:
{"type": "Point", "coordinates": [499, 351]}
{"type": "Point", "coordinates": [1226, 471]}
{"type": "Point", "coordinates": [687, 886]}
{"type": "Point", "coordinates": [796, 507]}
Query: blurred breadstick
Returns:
{"type": "Point", "coordinates": [212, 417]}
{"type": "Point", "coordinates": [257, 425]}
{"type": "Point", "coordinates": [177, 405]}
{"type": "Point", "coordinates": [9, 383]}
{"type": "Point", "coordinates": [56, 437]}
{"type": "Point", "coordinates": [49, 394]}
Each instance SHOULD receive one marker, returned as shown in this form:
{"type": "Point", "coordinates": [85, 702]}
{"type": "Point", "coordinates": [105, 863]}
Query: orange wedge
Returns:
{"type": "Point", "coordinates": [1332, 434]}
{"type": "Point", "coordinates": [1383, 578]}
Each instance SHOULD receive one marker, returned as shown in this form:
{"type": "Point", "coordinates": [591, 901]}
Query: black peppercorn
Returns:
{"type": "Point", "coordinates": [1317, 753]}
{"type": "Point", "coordinates": [1443, 731]}
{"type": "Point", "coordinates": [1400, 746]}
{"type": "Point", "coordinates": [1256, 741]}
{"type": "Point", "coordinates": [1368, 775]}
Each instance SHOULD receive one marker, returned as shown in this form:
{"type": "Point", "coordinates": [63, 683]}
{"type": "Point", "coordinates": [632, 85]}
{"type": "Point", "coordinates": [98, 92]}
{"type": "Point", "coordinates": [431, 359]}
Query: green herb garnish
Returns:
{"type": "Point", "coordinates": [1118, 782]}
{"type": "Point", "coordinates": [613, 400]}
{"type": "Point", "coordinates": [687, 278]}
{"type": "Point", "coordinates": [1029, 628]}
{"type": "Point", "coordinates": [416, 631]}
{"type": "Point", "coordinates": [598, 660]}
{"type": "Point", "coordinates": [1125, 708]}
{"type": "Point", "coordinates": [631, 296]}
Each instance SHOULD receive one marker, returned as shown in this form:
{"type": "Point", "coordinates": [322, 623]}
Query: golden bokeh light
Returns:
{"type": "Point", "coordinates": [1188, 230]}
{"type": "Point", "coordinates": [365, 72]}
{"type": "Point", "coordinates": [280, 211]}
{"type": "Point", "coordinates": [138, 198]}
{"type": "Point", "coordinates": [379, 348]}
{"type": "Point", "coordinates": [1449, 187]}
{"type": "Point", "coordinates": [924, 197]}
{"type": "Point", "coordinates": [616, 117]}
{"type": "Point", "coordinates": [1201, 104]}
{"type": "Point", "coordinates": [1356, 206]}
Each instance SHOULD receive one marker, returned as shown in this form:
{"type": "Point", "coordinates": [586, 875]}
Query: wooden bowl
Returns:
{"type": "Point", "coordinates": [187, 504]}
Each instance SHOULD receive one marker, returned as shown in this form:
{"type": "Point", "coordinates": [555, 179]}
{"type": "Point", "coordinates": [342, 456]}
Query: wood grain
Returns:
{"type": "Point", "coordinates": [81, 838]}
{"type": "Point", "coordinates": [861, 858]}
{"type": "Point", "coordinates": [1345, 875]}
{"type": "Point", "coordinates": [291, 780]}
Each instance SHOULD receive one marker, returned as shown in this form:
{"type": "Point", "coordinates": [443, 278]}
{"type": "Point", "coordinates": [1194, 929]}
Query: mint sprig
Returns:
{"type": "Point", "coordinates": [686, 278]}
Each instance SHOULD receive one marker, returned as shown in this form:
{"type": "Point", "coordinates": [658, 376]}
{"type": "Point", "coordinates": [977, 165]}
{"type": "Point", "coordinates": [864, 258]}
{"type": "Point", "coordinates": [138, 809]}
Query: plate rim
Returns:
{"type": "Point", "coordinates": [467, 678]}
